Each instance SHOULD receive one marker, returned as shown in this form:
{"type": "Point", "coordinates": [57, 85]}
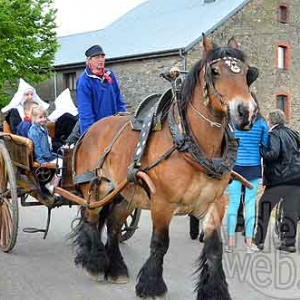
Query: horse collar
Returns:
{"type": "Point", "coordinates": [185, 143]}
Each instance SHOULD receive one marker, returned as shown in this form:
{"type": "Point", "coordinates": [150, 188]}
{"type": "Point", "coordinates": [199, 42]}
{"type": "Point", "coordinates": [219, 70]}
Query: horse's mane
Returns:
{"type": "Point", "coordinates": [192, 78]}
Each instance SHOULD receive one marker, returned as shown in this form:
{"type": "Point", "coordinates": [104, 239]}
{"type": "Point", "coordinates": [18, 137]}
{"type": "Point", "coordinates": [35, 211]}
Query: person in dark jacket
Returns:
{"type": "Point", "coordinates": [282, 181]}
{"type": "Point", "coordinates": [74, 136]}
{"type": "Point", "coordinates": [97, 91]}
{"type": "Point", "coordinates": [65, 117]}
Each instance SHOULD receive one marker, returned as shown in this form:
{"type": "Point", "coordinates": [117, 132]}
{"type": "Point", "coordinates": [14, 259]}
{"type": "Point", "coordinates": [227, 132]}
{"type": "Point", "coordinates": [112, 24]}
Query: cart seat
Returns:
{"type": "Point", "coordinates": [21, 151]}
{"type": "Point", "coordinates": [6, 127]}
{"type": "Point", "coordinates": [50, 126]}
{"type": "Point", "coordinates": [35, 165]}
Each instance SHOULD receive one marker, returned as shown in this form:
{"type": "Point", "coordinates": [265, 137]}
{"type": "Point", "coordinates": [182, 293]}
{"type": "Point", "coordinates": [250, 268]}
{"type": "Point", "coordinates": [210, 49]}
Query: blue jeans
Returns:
{"type": "Point", "coordinates": [235, 189]}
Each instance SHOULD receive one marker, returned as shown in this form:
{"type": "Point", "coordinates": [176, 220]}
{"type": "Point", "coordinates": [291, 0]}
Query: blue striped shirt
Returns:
{"type": "Point", "coordinates": [248, 151]}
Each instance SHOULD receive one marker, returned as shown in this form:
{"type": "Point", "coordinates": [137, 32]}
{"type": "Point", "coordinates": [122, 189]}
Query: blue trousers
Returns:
{"type": "Point", "coordinates": [235, 191]}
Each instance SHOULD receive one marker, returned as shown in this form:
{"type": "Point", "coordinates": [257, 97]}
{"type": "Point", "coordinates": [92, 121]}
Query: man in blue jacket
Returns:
{"type": "Point", "coordinates": [97, 90]}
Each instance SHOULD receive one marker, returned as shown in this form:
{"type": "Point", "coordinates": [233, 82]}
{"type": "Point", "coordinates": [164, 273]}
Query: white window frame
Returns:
{"type": "Point", "coordinates": [281, 63]}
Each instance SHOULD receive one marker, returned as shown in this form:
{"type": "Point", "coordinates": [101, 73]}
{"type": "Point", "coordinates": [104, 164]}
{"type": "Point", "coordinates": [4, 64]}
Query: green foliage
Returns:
{"type": "Point", "coordinates": [28, 43]}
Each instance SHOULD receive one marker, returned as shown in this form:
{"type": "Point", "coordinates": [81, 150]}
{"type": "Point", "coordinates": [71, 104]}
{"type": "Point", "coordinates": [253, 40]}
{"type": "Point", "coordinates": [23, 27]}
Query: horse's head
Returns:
{"type": "Point", "coordinates": [225, 79]}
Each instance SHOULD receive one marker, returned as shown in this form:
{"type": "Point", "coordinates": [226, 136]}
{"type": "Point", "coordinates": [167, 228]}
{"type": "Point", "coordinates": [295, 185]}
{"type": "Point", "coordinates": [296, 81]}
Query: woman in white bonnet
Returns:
{"type": "Point", "coordinates": [15, 108]}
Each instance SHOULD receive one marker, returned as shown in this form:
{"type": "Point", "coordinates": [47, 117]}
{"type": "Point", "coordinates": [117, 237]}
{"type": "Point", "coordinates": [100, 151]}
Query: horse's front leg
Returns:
{"type": "Point", "coordinates": [150, 278]}
{"type": "Point", "coordinates": [212, 283]}
{"type": "Point", "coordinates": [117, 271]}
{"type": "Point", "coordinates": [90, 251]}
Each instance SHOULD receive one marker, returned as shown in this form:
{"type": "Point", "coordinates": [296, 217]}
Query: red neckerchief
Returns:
{"type": "Point", "coordinates": [101, 73]}
{"type": "Point", "coordinates": [27, 118]}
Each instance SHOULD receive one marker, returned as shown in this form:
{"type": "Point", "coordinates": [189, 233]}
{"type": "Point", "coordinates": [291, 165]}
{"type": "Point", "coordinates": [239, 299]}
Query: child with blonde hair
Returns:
{"type": "Point", "coordinates": [38, 133]}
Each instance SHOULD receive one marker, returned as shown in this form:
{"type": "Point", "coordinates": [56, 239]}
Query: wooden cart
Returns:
{"type": "Point", "coordinates": [21, 176]}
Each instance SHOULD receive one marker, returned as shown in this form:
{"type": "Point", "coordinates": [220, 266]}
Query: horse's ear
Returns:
{"type": "Point", "coordinates": [252, 75]}
{"type": "Point", "coordinates": [207, 43]}
{"type": "Point", "coordinates": [233, 43]}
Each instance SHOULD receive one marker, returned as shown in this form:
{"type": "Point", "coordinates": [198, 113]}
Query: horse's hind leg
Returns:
{"type": "Point", "coordinates": [212, 283]}
{"type": "Point", "coordinates": [90, 251]}
{"type": "Point", "coordinates": [150, 278]}
{"type": "Point", "coordinates": [117, 271]}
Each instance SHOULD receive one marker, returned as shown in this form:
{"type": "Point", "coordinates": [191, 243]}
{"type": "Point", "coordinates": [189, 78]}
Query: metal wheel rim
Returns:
{"type": "Point", "coordinates": [131, 221]}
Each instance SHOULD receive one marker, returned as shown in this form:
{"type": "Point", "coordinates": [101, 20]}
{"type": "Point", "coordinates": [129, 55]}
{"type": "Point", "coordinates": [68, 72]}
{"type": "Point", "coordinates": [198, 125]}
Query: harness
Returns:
{"type": "Point", "coordinates": [150, 115]}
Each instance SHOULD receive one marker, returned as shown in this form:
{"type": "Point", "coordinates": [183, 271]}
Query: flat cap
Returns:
{"type": "Point", "coordinates": [94, 51]}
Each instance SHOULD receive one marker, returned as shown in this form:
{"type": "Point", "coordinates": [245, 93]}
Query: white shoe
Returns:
{"type": "Point", "coordinates": [252, 249]}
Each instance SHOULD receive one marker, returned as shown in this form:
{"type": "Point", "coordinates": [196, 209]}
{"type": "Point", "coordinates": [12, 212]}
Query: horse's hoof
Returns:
{"type": "Point", "coordinates": [118, 280]}
{"type": "Point", "coordinates": [99, 277]}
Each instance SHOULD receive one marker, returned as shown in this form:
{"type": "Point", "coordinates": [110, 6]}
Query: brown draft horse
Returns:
{"type": "Point", "coordinates": [215, 92]}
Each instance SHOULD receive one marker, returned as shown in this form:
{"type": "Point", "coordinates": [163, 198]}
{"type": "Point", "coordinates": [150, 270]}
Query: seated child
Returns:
{"type": "Point", "coordinates": [38, 133]}
{"type": "Point", "coordinates": [23, 127]}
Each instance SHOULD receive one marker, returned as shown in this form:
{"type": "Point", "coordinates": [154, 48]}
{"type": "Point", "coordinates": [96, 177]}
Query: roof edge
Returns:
{"type": "Point", "coordinates": [172, 52]}
{"type": "Point", "coordinates": [218, 24]}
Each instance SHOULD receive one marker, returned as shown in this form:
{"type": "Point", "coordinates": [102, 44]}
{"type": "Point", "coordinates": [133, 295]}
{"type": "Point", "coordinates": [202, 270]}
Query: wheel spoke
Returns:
{"type": "Point", "coordinates": [3, 229]}
{"type": "Point", "coordinates": [7, 212]}
{"type": "Point", "coordinates": [7, 201]}
{"type": "Point", "coordinates": [3, 180]}
{"type": "Point", "coordinates": [1, 223]}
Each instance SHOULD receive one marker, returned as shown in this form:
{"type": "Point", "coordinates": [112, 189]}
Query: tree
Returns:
{"type": "Point", "coordinates": [28, 43]}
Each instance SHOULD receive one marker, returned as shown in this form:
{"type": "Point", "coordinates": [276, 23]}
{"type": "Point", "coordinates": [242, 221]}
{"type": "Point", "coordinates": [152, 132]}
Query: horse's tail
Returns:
{"type": "Point", "coordinates": [212, 283]}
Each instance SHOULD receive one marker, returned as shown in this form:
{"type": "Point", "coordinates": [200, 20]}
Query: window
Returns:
{"type": "Point", "coordinates": [70, 81]}
{"type": "Point", "coordinates": [283, 14]}
{"type": "Point", "coordinates": [282, 54]}
{"type": "Point", "coordinates": [281, 102]}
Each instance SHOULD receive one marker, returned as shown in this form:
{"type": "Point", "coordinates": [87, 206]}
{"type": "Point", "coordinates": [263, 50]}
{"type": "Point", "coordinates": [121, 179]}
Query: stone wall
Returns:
{"type": "Point", "coordinates": [257, 28]}
{"type": "Point", "coordinates": [139, 79]}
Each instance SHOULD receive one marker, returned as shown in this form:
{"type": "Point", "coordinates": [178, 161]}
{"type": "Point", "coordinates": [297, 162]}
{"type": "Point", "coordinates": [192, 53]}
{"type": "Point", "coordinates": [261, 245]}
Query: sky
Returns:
{"type": "Point", "coordinates": [75, 16]}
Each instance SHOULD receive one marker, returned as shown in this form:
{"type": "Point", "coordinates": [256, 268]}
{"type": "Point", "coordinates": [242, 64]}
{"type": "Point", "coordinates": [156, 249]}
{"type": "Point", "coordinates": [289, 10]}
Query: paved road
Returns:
{"type": "Point", "coordinates": [43, 269]}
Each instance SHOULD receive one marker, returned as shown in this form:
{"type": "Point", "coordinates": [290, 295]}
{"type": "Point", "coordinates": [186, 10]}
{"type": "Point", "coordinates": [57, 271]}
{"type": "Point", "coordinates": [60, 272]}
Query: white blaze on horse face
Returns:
{"type": "Point", "coordinates": [243, 110]}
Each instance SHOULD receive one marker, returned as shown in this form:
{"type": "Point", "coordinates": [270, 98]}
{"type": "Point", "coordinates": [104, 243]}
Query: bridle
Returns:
{"type": "Point", "coordinates": [234, 65]}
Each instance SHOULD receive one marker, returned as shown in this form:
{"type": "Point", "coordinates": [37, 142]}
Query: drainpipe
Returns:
{"type": "Point", "coordinates": [181, 54]}
{"type": "Point", "coordinates": [55, 87]}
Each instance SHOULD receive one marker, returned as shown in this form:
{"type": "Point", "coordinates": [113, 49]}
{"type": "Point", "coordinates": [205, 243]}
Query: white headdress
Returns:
{"type": "Point", "coordinates": [63, 104]}
{"type": "Point", "coordinates": [17, 100]}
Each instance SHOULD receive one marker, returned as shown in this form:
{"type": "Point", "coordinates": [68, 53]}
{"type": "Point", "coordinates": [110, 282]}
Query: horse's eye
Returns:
{"type": "Point", "coordinates": [215, 72]}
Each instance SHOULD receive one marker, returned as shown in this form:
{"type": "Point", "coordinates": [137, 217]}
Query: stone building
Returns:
{"type": "Point", "coordinates": [159, 34]}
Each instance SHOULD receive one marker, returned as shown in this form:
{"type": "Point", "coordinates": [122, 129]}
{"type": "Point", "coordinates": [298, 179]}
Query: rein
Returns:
{"type": "Point", "coordinates": [212, 123]}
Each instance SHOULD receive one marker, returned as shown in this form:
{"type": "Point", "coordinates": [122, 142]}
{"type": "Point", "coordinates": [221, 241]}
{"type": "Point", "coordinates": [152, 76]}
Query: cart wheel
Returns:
{"type": "Point", "coordinates": [130, 225]}
{"type": "Point", "coordinates": [43, 174]}
{"type": "Point", "coordinates": [9, 212]}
